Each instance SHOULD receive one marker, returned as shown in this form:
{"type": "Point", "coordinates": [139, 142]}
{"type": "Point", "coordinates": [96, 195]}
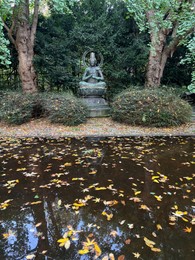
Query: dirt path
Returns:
{"type": "Point", "coordinates": [93, 127]}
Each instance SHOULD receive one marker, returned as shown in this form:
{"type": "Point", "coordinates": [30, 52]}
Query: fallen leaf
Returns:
{"type": "Point", "coordinates": [114, 233]}
{"type": "Point", "coordinates": [187, 229]}
{"type": "Point", "coordinates": [128, 241]}
{"type": "Point", "coordinates": [158, 226]}
{"type": "Point", "coordinates": [136, 255]}
{"type": "Point", "coordinates": [111, 256]}
{"type": "Point", "coordinates": [29, 257]}
{"type": "Point", "coordinates": [83, 251]}
{"type": "Point", "coordinates": [154, 249]}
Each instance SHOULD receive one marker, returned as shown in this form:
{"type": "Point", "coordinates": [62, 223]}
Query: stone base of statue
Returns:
{"type": "Point", "coordinates": [93, 97]}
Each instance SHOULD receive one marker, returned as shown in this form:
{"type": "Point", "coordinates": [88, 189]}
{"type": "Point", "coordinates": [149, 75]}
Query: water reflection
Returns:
{"type": "Point", "coordinates": [117, 191]}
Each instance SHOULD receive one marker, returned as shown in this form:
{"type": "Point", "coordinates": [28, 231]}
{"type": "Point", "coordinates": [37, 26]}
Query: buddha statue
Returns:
{"type": "Point", "coordinates": [93, 76]}
{"type": "Point", "coordinates": [92, 88]}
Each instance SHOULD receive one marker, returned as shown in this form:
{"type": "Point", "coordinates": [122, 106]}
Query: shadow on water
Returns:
{"type": "Point", "coordinates": [123, 194]}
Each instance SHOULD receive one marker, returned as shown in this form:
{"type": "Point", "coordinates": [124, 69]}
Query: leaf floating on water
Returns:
{"type": "Point", "coordinates": [97, 249]}
{"type": "Point", "coordinates": [159, 227]}
{"type": "Point", "coordinates": [36, 202]}
{"type": "Point", "coordinates": [128, 241]}
{"type": "Point", "coordinates": [21, 169]}
{"type": "Point", "coordinates": [9, 234]}
{"type": "Point", "coordinates": [29, 257]}
{"type": "Point", "coordinates": [144, 207]}
{"type": "Point", "coordinates": [159, 198]}
{"type": "Point", "coordinates": [136, 255]}
{"type": "Point", "coordinates": [5, 204]}
{"type": "Point", "coordinates": [67, 244]}
{"type": "Point", "coordinates": [121, 257]}
{"type": "Point", "coordinates": [151, 244]}
{"type": "Point", "coordinates": [130, 226]}
{"type": "Point", "coordinates": [111, 256]}
{"type": "Point", "coordinates": [114, 233]}
{"type": "Point", "coordinates": [67, 164]}
{"type": "Point", "coordinates": [83, 251]}
{"type": "Point", "coordinates": [148, 242]}
{"type": "Point", "coordinates": [187, 229]}
{"type": "Point", "coordinates": [38, 224]}
{"type": "Point", "coordinates": [109, 216]}
{"type": "Point", "coordinates": [154, 249]}
{"type": "Point", "coordinates": [137, 192]}
{"type": "Point", "coordinates": [63, 241]}
{"type": "Point", "coordinates": [110, 203]}
{"type": "Point", "coordinates": [100, 188]}
{"type": "Point", "coordinates": [106, 257]}
{"type": "Point", "coordinates": [90, 246]}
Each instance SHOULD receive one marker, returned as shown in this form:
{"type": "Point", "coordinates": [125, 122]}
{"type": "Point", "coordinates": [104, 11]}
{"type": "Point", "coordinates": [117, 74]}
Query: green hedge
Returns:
{"type": "Point", "coordinates": [18, 108]}
{"type": "Point", "coordinates": [148, 107]}
{"type": "Point", "coordinates": [65, 108]}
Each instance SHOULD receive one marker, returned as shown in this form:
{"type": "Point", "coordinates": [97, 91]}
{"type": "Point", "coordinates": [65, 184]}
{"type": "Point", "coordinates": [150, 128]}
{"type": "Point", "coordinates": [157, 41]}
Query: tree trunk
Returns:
{"type": "Point", "coordinates": [157, 59]}
{"type": "Point", "coordinates": [25, 56]}
{"type": "Point", "coordinates": [22, 34]}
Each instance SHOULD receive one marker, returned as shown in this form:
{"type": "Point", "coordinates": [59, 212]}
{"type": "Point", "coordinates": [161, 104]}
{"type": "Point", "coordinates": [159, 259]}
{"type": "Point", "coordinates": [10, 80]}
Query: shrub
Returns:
{"type": "Point", "coordinates": [148, 107]}
{"type": "Point", "coordinates": [64, 108]}
{"type": "Point", "coordinates": [17, 108]}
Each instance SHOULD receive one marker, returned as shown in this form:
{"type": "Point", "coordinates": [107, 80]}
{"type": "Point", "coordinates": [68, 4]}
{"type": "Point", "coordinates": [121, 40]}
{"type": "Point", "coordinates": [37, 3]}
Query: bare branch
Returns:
{"type": "Point", "coordinates": [9, 32]}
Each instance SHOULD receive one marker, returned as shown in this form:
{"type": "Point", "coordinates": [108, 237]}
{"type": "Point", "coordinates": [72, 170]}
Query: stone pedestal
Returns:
{"type": "Point", "coordinates": [93, 97]}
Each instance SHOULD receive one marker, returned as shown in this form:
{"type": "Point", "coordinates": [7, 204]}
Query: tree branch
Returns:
{"type": "Point", "coordinates": [9, 32]}
{"type": "Point", "coordinates": [170, 49]}
{"type": "Point", "coordinates": [35, 21]}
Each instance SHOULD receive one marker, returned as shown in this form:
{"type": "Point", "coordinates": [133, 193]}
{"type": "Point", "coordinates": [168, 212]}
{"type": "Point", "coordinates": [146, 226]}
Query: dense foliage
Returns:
{"type": "Point", "coordinates": [147, 107]}
{"type": "Point", "coordinates": [17, 108]}
{"type": "Point", "coordinates": [65, 109]}
{"type": "Point", "coordinates": [99, 25]}
{"type": "Point", "coordinates": [62, 37]}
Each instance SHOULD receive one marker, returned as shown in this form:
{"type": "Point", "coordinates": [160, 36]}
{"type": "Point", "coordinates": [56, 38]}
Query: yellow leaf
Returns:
{"type": "Point", "coordinates": [20, 169]}
{"type": "Point", "coordinates": [158, 226]}
{"type": "Point", "coordinates": [155, 177]}
{"type": "Point", "coordinates": [6, 235]}
{"type": "Point", "coordinates": [83, 251]}
{"type": "Point", "coordinates": [109, 216]}
{"type": "Point", "coordinates": [187, 229]}
{"type": "Point", "coordinates": [68, 164]}
{"type": "Point", "coordinates": [144, 207]}
{"type": "Point", "coordinates": [93, 172]}
{"type": "Point", "coordinates": [36, 202]}
{"type": "Point", "coordinates": [97, 249]}
{"type": "Point", "coordinates": [155, 249]}
{"type": "Point", "coordinates": [159, 198]}
{"type": "Point", "coordinates": [180, 213]}
{"type": "Point", "coordinates": [30, 256]}
{"type": "Point", "coordinates": [62, 241]}
{"type": "Point", "coordinates": [136, 255]}
{"type": "Point", "coordinates": [100, 188]}
{"type": "Point", "coordinates": [185, 219]}
{"type": "Point", "coordinates": [149, 243]}
{"type": "Point", "coordinates": [79, 204]}
{"type": "Point", "coordinates": [137, 192]}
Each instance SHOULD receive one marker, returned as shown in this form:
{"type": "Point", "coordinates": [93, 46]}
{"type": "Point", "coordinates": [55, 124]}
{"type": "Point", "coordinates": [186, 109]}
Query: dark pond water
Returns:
{"type": "Point", "coordinates": [105, 198]}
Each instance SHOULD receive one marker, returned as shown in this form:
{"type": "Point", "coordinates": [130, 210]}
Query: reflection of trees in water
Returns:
{"type": "Point", "coordinates": [54, 218]}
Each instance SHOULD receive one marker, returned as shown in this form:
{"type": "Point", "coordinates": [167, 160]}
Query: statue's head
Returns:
{"type": "Point", "coordinates": [92, 60]}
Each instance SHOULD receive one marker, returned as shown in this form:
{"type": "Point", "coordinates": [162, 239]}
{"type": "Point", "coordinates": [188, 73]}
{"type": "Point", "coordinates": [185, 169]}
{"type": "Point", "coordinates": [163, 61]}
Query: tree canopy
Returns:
{"type": "Point", "coordinates": [53, 44]}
